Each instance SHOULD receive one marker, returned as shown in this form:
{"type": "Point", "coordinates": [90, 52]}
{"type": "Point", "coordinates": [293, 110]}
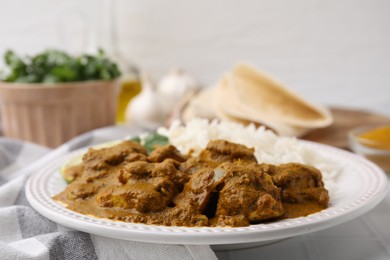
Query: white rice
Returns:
{"type": "Point", "coordinates": [269, 148]}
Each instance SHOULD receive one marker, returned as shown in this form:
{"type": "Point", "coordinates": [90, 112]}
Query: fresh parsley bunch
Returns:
{"type": "Point", "coordinates": [52, 66]}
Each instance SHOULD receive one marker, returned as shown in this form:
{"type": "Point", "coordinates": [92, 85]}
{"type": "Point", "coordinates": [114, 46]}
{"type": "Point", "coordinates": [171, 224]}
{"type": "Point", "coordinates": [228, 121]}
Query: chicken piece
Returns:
{"type": "Point", "coordinates": [146, 187]}
{"type": "Point", "coordinates": [81, 190]}
{"type": "Point", "coordinates": [183, 216]}
{"type": "Point", "coordinates": [299, 183]}
{"type": "Point", "coordinates": [220, 151]}
{"type": "Point", "coordinates": [197, 191]}
{"type": "Point", "coordinates": [160, 153]}
{"type": "Point", "coordinates": [170, 169]}
{"type": "Point", "coordinates": [97, 159]}
{"type": "Point", "coordinates": [136, 171]}
{"type": "Point", "coordinates": [152, 196]}
{"type": "Point", "coordinates": [248, 191]}
{"type": "Point", "coordinates": [217, 152]}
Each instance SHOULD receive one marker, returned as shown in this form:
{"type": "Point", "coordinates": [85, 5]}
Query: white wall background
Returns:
{"type": "Point", "coordinates": [333, 52]}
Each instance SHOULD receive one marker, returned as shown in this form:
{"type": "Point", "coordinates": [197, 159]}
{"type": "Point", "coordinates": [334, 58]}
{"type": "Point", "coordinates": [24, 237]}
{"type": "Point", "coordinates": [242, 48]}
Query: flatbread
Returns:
{"type": "Point", "coordinates": [229, 107]}
{"type": "Point", "coordinates": [265, 98]}
{"type": "Point", "coordinates": [200, 105]}
{"type": "Point", "coordinates": [247, 95]}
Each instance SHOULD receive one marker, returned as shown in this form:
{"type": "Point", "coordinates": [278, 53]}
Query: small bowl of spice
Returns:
{"type": "Point", "coordinates": [372, 142]}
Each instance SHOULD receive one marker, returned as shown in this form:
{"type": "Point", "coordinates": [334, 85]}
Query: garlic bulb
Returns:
{"type": "Point", "coordinates": [144, 110]}
{"type": "Point", "coordinates": [173, 87]}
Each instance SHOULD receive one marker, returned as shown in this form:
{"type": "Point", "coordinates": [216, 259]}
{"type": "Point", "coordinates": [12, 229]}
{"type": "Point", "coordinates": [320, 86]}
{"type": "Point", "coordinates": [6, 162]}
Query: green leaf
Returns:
{"type": "Point", "coordinates": [31, 78]}
{"type": "Point", "coordinates": [53, 66]}
{"type": "Point", "coordinates": [150, 141]}
{"type": "Point", "coordinates": [64, 73]}
{"type": "Point", "coordinates": [154, 139]}
{"type": "Point", "coordinates": [136, 139]}
{"type": "Point", "coordinates": [16, 66]}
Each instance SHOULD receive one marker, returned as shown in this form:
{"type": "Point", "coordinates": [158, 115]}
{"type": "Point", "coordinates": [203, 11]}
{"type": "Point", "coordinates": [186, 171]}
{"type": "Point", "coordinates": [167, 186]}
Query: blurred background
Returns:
{"type": "Point", "coordinates": [332, 52]}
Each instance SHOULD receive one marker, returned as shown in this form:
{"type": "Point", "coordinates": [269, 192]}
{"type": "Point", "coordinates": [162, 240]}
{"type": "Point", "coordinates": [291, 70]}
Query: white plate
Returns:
{"type": "Point", "coordinates": [360, 186]}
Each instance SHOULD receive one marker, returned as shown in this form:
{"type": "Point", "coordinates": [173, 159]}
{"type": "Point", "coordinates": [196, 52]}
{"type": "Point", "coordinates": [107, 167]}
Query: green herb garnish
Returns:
{"type": "Point", "coordinates": [136, 139]}
{"type": "Point", "coordinates": [150, 141]}
{"type": "Point", "coordinates": [54, 66]}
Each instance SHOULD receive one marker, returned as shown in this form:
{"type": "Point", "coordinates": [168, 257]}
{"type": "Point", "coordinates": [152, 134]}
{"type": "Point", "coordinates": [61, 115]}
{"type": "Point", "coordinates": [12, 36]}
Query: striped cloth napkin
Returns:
{"type": "Point", "coordinates": [24, 234]}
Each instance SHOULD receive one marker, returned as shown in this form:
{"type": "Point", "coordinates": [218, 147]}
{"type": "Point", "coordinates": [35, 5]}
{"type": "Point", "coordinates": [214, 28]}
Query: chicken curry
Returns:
{"type": "Point", "coordinates": [223, 186]}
